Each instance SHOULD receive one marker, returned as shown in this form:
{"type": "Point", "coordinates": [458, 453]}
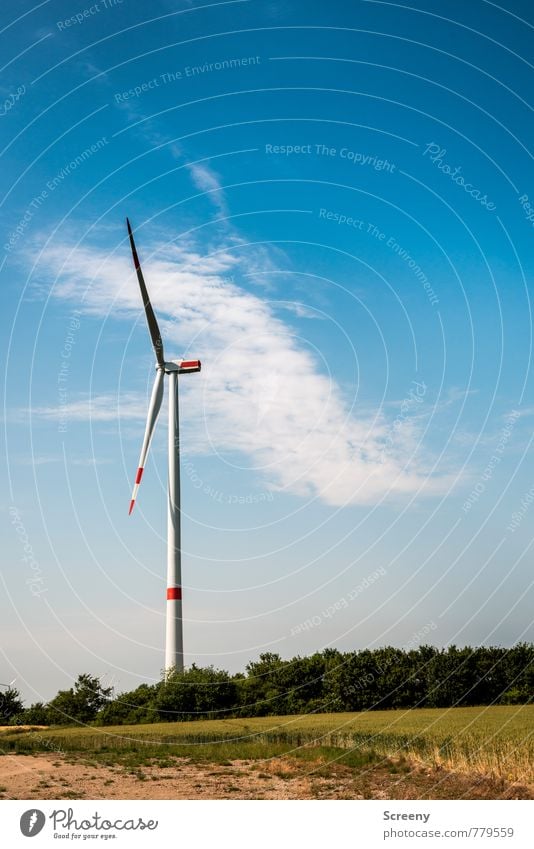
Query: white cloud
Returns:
{"type": "Point", "coordinates": [207, 180]}
{"type": "Point", "coordinates": [47, 459]}
{"type": "Point", "coordinates": [260, 393]}
{"type": "Point", "coordinates": [89, 461]}
{"type": "Point", "coordinates": [303, 311]}
{"type": "Point", "coordinates": [99, 408]}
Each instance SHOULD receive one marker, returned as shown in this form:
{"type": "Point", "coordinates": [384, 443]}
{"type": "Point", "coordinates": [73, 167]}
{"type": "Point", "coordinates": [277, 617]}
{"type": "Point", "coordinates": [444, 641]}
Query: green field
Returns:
{"type": "Point", "coordinates": [491, 741]}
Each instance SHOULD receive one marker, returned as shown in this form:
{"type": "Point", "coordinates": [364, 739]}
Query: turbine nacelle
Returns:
{"type": "Point", "coordinates": [181, 366]}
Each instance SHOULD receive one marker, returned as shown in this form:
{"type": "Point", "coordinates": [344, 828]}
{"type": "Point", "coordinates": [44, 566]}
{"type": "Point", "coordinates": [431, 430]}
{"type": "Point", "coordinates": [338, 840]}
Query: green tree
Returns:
{"type": "Point", "coordinates": [131, 708]}
{"type": "Point", "coordinates": [518, 676]}
{"type": "Point", "coordinates": [10, 705]}
{"type": "Point", "coordinates": [196, 693]}
{"type": "Point", "coordinates": [36, 714]}
{"type": "Point", "coordinates": [81, 703]}
{"type": "Point", "coordinates": [261, 692]}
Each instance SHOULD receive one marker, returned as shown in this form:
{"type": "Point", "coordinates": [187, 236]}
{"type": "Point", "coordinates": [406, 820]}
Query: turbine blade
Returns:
{"type": "Point", "coordinates": [150, 317]}
{"type": "Point", "coordinates": [153, 410]}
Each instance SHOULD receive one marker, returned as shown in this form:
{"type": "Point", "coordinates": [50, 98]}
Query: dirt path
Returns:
{"type": "Point", "coordinates": [59, 777]}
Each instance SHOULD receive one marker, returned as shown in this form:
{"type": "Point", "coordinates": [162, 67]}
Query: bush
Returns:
{"type": "Point", "coordinates": [137, 706]}
{"type": "Point", "coordinates": [10, 705]}
{"type": "Point", "coordinates": [79, 704]}
{"type": "Point", "coordinates": [196, 693]}
{"type": "Point", "coordinates": [325, 681]}
{"type": "Point", "coordinates": [37, 714]}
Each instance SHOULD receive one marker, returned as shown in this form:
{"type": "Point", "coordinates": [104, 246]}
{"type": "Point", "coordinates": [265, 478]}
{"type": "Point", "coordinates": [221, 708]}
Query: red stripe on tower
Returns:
{"type": "Point", "coordinates": [174, 593]}
{"type": "Point", "coordinates": [139, 474]}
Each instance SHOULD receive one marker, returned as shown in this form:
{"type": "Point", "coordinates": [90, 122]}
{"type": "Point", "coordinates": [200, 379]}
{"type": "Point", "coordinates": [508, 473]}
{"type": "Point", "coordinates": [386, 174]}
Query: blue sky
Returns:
{"type": "Point", "coordinates": [333, 205]}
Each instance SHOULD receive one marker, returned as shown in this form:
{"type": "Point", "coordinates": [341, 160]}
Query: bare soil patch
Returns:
{"type": "Point", "coordinates": [60, 776]}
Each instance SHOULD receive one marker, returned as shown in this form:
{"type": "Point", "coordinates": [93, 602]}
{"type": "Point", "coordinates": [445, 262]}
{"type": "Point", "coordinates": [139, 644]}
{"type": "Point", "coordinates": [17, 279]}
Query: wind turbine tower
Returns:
{"type": "Point", "coordinates": [174, 646]}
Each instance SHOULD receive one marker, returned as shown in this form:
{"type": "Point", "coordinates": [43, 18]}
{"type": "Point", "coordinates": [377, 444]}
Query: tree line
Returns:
{"type": "Point", "coordinates": [327, 681]}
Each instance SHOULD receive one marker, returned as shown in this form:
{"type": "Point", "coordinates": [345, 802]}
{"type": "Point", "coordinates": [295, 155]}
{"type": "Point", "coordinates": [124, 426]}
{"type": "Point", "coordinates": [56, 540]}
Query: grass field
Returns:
{"type": "Point", "coordinates": [491, 741]}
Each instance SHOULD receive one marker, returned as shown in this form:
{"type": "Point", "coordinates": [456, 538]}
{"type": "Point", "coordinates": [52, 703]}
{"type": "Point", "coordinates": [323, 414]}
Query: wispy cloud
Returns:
{"type": "Point", "coordinates": [303, 311]}
{"type": "Point", "coordinates": [89, 461]}
{"type": "Point", "coordinates": [97, 408]}
{"type": "Point", "coordinates": [261, 393]}
{"type": "Point", "coordinates": [207, 180]}
{"type": "Point", "coordinates": [47, 459]}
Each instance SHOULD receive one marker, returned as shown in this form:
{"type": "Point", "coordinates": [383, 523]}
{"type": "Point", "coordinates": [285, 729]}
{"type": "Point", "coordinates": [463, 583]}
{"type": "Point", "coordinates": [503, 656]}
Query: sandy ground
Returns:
{"type": "Point", "coordinates": [59, 777]}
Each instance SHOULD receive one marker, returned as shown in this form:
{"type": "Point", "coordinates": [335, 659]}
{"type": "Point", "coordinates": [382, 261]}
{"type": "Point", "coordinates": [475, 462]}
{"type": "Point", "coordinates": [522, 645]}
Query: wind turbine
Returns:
{"type": "Point", "coordinates": [174, 647]}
